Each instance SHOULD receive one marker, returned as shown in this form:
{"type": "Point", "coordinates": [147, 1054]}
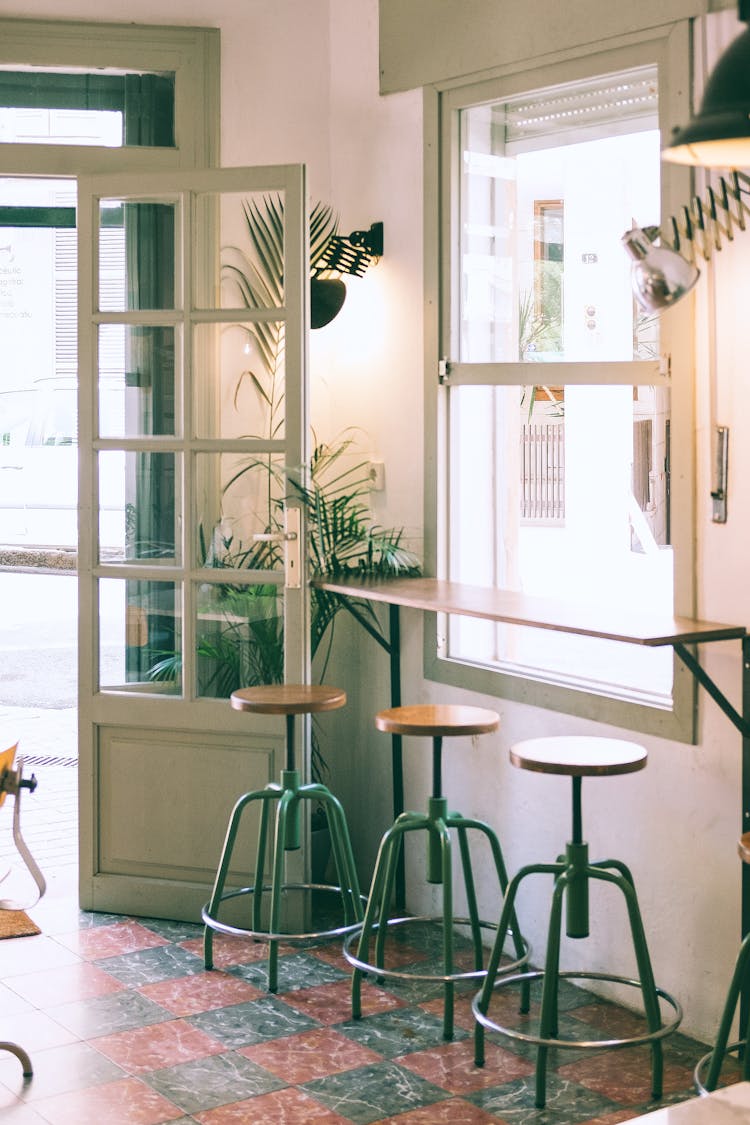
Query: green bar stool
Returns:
{"type": "Point", "coordinates": [576, 758]}
{"type": "Point", "coordinates": [436, 722]}
{"type": "Point", "coordinates": [284, 836]}
{"type": "Point", "coordinates": [715, 1058]}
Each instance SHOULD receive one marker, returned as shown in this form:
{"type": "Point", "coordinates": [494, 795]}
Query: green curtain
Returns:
{"type": "Point", "coordinates": [150, 258]}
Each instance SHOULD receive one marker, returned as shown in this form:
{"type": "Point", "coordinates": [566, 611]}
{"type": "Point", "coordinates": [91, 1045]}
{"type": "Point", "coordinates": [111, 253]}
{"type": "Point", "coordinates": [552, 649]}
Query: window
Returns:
{"type": "Point", "coordinates": [139, 92]}
{"type": "Point", "coordinates": [75, 107]}
{"type": "Point", "coordinates": [556, 409]}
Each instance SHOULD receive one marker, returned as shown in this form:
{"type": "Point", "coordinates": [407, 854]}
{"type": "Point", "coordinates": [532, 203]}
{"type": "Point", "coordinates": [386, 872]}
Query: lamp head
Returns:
{"type": "Point", "coordinates": [327, 295]}
{"type": "Point", "coordinates": [660, 275]}
{"type": "Point", "coordinates": [719, 135]}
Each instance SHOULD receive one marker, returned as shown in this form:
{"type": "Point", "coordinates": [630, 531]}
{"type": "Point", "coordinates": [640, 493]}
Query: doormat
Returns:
{"type": "Point", "coordinates": [16, 923]}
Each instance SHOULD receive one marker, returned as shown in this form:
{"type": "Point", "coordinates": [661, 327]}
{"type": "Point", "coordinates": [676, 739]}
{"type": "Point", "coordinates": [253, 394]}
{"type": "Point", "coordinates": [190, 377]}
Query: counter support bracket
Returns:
{"type": "Point", "coordinates": [392, 646]}
{"type": "Point", "coordinates": [742, 724]}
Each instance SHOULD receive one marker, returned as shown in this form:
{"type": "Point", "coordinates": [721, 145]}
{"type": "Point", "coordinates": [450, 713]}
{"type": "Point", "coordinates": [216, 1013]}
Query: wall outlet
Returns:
{"type": "Point", "coordinates": [376, 476]}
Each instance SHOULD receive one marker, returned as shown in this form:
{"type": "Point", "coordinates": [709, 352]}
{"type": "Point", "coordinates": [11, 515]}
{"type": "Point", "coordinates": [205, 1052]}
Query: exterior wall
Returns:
{"type": "Point", "coordinates": [300, 83]}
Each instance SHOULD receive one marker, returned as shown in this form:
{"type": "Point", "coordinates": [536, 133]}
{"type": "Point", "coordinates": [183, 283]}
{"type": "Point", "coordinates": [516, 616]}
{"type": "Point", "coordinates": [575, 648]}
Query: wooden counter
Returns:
{"type": "Point", "coordinates": [438, 596]}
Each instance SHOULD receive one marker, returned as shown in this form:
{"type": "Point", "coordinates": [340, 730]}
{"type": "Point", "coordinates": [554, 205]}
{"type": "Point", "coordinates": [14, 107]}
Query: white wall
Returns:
{"type": "Point", "coordinates": [676, 823]}
{"type": "Point", "coordinates": [300, 83]}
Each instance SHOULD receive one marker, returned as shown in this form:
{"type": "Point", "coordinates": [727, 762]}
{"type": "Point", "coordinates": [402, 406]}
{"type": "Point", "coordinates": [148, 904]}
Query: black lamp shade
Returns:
{"type": "Point", "coordinates": [719, 135]}
{"type": "Point", "coordinates": [327, 295]}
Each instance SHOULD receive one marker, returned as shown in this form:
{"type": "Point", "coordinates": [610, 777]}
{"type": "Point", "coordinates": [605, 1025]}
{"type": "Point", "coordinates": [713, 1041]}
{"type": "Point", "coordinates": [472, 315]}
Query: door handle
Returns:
{"type": "Point", "coordinates": [290, 537]}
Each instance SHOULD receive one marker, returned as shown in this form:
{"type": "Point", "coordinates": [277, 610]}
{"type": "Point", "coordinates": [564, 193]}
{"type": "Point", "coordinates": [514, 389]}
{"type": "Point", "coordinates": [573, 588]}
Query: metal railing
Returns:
{"type": "Point", "coordinates": [543, 472]}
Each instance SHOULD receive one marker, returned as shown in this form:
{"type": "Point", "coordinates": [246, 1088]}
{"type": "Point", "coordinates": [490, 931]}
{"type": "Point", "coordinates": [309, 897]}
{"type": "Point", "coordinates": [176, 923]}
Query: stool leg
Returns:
{"type": "Point", "coordinates": [548, 1022]}
{"type": "Point", "coordinates": [224, 861]}
{"type": "Point", "coordinates": [741, 966]}
{"type": "Point", "coordinates": [483, 997]}
{"type": "Point", "coordinates": [447, 881]}
{"type": "Point", "coordinates": [406, 822]}
{"type": "Point", "coordinates": [264, 828]}
{"type": "Point", "coordinates": [343, 856]}
{"type": "Point", "coordinates": [502, 877]}
{"type": "Point", "coordinates": [614, 871]}
{"type": "Point", "coordinates": [471, 895]}
{"type": "Point", "coordinates": [286, 808]}
{"type": "Point", "coordinates": [375, 902]}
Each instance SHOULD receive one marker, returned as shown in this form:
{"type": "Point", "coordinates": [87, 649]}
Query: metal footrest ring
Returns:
{"type": "Point", "coordinates": [705, 1062]}
{"type": "Point", "coordinates": [267, 935]}
{"type": "Point", "coordinates": [581, 1044]}
{"type": "Point", "coordinates": [395, 974]}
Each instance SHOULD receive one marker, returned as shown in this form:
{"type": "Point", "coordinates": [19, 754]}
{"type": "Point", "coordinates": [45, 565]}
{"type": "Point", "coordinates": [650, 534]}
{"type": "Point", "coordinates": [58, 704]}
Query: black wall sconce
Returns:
{"type": "Point", "coordinates": [350, 254]}
{"type": "Point", "coordinates": [355, 252]}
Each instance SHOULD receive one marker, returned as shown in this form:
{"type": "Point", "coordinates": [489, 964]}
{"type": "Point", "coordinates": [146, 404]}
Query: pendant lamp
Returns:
{"type": "Point", "coordinates": [719, 135]}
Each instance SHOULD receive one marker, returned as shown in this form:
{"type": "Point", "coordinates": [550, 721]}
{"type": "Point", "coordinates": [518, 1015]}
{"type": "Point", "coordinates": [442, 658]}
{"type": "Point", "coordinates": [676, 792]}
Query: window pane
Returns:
{"type": "Point", "coordinates": [136, 255]}
{"type": "Point", "coordinates": [549, 183]}
{"type": "Point", "coordinates": [240, 637]}
{"type": "Point", "coordinates": [251, 274]}
{"type": "Point", "coordinates": [47, 107]}
{"type": "Point", "coordinates": [139, 645]}
{"type": "Point", "coordinates": [563, 494]}
{"type": "Point", "coordinates": [138, 507]}
{"type": "Point", "coordinates": [240, 498]}
{"type": "Point", "coordinates": [239, 380]}
{"type": "Point", "coordinates": [136, 381]}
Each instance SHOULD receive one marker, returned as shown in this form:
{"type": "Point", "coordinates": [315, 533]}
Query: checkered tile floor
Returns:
{"type": "Point", "coordinates": [125, 1027]}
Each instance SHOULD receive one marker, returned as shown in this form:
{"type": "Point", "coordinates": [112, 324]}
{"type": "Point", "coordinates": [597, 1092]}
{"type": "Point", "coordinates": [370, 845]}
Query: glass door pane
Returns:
{"type": "Point", "coordinates": [196, 429]}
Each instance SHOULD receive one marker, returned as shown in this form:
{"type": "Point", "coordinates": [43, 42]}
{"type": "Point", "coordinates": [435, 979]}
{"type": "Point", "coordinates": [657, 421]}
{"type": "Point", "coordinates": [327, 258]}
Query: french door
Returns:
{"type": "Point", "coordinates": [193, 434]}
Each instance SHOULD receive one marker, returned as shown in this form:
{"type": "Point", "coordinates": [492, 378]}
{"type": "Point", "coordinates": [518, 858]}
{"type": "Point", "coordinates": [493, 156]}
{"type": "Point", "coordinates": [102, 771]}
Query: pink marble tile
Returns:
{"type": "Point", "coordinates": [332, 1003]}
{"type": "Point", "coordinates": [230, 950]}
{"type": "Point", "coordinates": [156, 1046]}
{"type": "Point", "coordinates": [284, 1107]}
{"type": "Point", "coordinates": [625, 1076]}
{"type": "Point", "coordinates": [203, 992]}
{"type": "Point", "coordinates": [109, 941]}
{"type": "Point", "coordinates": [611, 1021]}
{"type": "Point", "coordinates": [64, 985]}
{"type": "Point", "coordinates": [397, 953]}
{"type": "Point", "coordinates": [332, 954]}
{"type": "Point", "coordinates": [311, 1054]}
{"type": "Point", "coordinates": [451, 1066]}
{"type": "Point", "coordinates": [463, 1016]}
{"type": "Point", "coordinates": [452, 1112]}
{"type": "Point", "coordinates": [136, 1104]}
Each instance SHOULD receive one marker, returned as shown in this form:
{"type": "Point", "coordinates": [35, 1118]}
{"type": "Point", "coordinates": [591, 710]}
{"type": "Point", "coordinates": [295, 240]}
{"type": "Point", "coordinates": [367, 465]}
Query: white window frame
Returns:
{"type": "Point", "coordinates": [191, 54]}
{"type": "Point", "coordinates": [668, 48]}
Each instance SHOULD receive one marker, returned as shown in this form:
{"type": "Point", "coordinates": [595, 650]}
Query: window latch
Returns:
{"type": "Point", "coordinates": [444, 369]}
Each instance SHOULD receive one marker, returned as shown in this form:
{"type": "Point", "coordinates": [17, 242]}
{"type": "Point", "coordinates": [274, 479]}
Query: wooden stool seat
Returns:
{"type": "Point", "coordinates": [579, 757]}
{"type": "Point", "coordinates": [743, 847]}
{"type": "Point", "coordinates": [437, 720]}
{"type": "Point", "coordinates": [288, 699]}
